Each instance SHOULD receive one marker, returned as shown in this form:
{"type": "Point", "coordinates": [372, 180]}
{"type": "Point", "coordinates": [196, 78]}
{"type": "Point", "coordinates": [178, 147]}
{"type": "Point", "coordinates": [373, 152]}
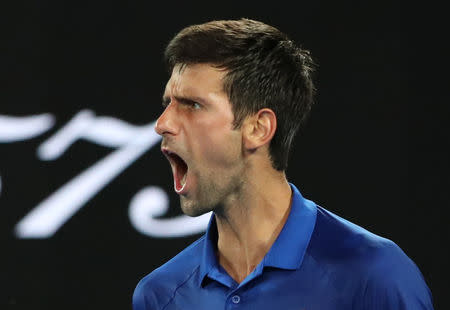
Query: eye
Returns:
{"type": "Point", "coordinates": [195, 105]}
{"type": "Point", "coordinates": [191, 104]}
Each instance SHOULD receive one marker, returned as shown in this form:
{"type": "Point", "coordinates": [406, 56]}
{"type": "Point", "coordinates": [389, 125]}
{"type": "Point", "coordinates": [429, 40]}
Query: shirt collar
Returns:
{"type": "Point", "coordinates": [289, 248]}
{"type": "Point", "coordinates": [209, 259]}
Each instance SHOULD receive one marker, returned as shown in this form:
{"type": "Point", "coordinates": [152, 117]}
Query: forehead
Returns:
{"type": "Point", "coordinates": [195, 80]}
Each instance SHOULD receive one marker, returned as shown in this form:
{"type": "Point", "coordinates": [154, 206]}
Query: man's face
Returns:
{"type": "Point", "coordinates": [204, 150]}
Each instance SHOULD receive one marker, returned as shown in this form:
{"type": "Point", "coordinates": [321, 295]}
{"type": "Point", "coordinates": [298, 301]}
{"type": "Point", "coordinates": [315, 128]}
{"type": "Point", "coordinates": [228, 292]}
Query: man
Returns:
{"type": "Point", "coordinates": [238, 92]}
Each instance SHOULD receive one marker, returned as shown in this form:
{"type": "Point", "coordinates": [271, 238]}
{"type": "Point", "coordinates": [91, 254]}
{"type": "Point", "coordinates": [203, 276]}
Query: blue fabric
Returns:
{"type": "Point", "coordinates": [319, 261]}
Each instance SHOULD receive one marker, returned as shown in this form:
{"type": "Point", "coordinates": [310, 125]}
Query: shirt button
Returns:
{"type": "Point", "coordinates": [235, 299]}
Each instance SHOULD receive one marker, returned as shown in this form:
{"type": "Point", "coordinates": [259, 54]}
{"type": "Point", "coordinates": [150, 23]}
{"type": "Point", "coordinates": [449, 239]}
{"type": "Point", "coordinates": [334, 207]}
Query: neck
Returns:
{"type": "Point", "coordinates": [249, 225]}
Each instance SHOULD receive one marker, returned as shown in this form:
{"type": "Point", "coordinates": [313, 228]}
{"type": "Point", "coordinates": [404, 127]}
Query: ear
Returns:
{"type": "Point", "coordinates": [259, 129]}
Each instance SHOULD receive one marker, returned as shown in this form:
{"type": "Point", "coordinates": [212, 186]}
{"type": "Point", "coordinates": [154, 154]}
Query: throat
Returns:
{"type": "Point", "coordinates": [246, 236]}
{"type": "Point", "coordinates": [236, 269]}
{"type": "Point", "coordinates": [239, 258]}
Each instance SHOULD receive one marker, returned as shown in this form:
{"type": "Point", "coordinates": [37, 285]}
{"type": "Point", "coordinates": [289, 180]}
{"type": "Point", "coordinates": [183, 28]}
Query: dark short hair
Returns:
{"type": "Point", "coordinates": [265, 69]}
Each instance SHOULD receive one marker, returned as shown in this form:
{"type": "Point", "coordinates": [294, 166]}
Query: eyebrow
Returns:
{"type": "Point", "coordinates": [185, 99]}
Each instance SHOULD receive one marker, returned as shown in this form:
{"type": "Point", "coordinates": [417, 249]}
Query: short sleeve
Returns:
{"type": "Point", "coordinates": [139, 298]}
{"type": "Point", "coordinates": [396, 283]}
{"type": "Point", "coordinates": [148, 295]}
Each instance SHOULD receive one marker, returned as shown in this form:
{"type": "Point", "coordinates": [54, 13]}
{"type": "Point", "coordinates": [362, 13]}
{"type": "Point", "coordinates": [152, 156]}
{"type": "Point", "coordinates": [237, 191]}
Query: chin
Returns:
{"type": "Point", "coordinates": [193, 209]}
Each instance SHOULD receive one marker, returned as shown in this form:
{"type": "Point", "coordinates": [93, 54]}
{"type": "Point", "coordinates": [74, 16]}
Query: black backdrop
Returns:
{"type": "Point", "coordinates": [371, 152]}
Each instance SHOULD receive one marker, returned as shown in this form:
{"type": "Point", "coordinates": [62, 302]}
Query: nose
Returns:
{"type": "Point", "coordinates": [167, 123]}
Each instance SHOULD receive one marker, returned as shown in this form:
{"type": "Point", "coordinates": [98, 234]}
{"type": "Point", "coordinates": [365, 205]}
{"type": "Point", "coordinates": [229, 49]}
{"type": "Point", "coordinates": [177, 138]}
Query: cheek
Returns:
{"type": "Point", "coordinates": [221, 154]}
{"type": "Point", "coordinates": [218, 147]}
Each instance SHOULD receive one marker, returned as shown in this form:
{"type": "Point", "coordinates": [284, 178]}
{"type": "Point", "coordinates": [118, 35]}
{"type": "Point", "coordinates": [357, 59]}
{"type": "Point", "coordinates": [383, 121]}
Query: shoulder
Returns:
{"type": "Point", "coordinates": [156, 289]}
{"type": "Point", "coordinates": [336, 238]}
{"type": "Point", "coordinates": [395, 282]}
{"type": "Point", "coordinates": [384, 277]}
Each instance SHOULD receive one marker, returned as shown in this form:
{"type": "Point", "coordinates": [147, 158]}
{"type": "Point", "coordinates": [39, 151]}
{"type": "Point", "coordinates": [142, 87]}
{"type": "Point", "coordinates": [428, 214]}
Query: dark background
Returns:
{"type": "Point", "coordinates": [371, 152]}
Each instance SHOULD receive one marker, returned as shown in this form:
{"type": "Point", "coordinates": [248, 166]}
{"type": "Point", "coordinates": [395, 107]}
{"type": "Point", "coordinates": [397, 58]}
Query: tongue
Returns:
{"type": "Point", "coordinates": [180, 175]}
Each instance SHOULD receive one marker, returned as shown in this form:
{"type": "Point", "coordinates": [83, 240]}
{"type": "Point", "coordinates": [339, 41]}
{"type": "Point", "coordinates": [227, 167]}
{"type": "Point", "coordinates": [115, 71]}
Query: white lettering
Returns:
{"type": "Point", "coordinates": [132, 142]}
{"type": "Point", "coordinates": [106, 131]}
{"type": "Point", "coordinates": [151, 202]}
{"type": "Point", "coordinates": [18, 128]}
{"type": "Point", "coordinates": [46, 218]}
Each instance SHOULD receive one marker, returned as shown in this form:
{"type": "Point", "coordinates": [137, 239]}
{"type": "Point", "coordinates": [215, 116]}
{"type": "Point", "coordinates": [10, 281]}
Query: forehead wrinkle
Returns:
{"type": "Point", "coordinates": [185, 83]}
{"type": "Point", "coordinates": [175, 80]}
{"type": "Point", "coordinates": [177, 89]}
{"type": "Point", "coordinates": [171, 86]}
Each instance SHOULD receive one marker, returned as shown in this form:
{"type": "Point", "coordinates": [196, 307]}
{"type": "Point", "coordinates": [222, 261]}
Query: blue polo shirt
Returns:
{"type": "Point", "coordinates": [319, 261]}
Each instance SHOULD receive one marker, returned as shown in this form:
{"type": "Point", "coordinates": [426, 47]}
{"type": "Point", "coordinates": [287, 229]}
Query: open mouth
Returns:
{"type": "Point", "coordinates": [179, 170]}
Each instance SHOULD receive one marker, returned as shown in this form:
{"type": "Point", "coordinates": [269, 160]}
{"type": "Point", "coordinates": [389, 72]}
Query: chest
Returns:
{"type": "Point", "coordinates": [272, 290]}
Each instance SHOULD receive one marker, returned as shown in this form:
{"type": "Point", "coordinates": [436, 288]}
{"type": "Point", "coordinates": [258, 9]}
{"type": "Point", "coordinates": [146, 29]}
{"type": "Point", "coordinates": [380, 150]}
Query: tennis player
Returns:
{"type": "Point", "coordinates": [238, 92]}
